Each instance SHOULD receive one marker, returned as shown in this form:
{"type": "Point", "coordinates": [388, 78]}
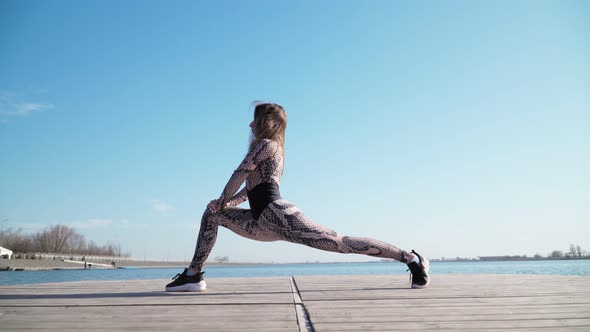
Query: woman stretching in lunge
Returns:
{"type": "Point", "coordinates": [271, 218]}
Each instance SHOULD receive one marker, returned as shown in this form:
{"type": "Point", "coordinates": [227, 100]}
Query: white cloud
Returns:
{"type": "Point", "coordinates": [88, 224]}
{"type": "Point", "coordinates": [104, 223]}
{"type": "Point", "coordinates": [29, 227]}
{"type": "Point", "coordinates": [12, 104]}
{"type": "Point", "coordinates": [186, 224]}
{"type": "Point", "coordinates": [128, 225]}
{"type": "Point", "coordinates": [92, 223]}
{"type": "Point", "coordinates": [161, 206]}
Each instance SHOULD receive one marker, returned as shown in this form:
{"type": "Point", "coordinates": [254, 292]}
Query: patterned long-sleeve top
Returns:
{"type": "Point", "coordinates": [261, 165]}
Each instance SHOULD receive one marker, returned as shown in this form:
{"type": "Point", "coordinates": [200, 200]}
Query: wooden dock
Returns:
{"type": "Point", "coordinates": [304, 303]}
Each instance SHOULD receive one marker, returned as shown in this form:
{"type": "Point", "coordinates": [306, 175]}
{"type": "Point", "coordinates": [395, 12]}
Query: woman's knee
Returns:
{"type": "Point", "coordinates": [208, 215]}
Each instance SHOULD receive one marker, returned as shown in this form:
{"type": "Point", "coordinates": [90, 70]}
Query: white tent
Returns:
{"type": "Point", "coordinates": [4, 251]}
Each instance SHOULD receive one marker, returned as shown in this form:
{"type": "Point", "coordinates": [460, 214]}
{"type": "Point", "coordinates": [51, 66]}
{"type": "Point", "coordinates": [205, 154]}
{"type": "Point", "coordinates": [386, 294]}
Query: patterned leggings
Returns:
{"type": "Point", "coordinates": [282, 220]}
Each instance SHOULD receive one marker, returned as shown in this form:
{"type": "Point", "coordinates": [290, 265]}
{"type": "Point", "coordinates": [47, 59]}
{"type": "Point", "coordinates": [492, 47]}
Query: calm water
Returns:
{"type": "Point", "coordinates": [576, 267]}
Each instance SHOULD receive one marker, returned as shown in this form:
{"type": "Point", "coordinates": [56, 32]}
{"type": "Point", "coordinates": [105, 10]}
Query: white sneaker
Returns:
{"type": "Point", "coordinates": [184, 283]}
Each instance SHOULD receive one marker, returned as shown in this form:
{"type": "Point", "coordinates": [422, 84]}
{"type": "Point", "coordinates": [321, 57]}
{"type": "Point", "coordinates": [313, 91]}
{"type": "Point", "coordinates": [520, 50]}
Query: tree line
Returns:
{"type": "Point", "coordinates": [57, 239]}
{"type": "Point", "coordinates": [575, 251]}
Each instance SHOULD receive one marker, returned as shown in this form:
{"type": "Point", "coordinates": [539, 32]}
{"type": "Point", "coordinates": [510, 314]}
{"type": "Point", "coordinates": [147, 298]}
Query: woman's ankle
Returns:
{"type": "Point", "coordinates": [411, 258]}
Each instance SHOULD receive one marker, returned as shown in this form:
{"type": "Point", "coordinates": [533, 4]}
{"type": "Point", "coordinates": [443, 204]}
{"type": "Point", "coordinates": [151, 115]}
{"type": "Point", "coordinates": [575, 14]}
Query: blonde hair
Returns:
{"type": "Point", "coordinates": [270, 122]}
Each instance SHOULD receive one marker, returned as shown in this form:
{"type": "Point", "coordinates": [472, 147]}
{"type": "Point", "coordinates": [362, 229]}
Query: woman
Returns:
{"type": "Point", "coordinates": [270, 218]}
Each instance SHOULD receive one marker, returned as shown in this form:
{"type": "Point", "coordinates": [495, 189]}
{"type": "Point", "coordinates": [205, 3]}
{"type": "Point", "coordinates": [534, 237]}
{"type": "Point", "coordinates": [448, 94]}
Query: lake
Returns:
{"type": "Point", "coordinates": [560, 267]}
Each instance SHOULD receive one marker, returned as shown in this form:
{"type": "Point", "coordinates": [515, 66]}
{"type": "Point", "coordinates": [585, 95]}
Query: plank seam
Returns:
{"type": "Point", "coordinates": [301, 312]}
{"type": "Point", "coordinates": [137, 305]}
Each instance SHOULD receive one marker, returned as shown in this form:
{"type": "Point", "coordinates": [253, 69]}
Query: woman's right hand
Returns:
{"type": "Point", "coordinates": [213, 205]}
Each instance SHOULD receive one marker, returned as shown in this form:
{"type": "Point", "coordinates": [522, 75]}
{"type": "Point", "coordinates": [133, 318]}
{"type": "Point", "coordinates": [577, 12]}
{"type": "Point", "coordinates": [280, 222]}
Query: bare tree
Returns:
{"type": "Point", "coordinates": [92, 248]}
{"type": "Point", "coordinates": [76, 243]}
{"type": "Point", "coordinates": [556, 254]}
{"type": "Point", "coordinates": [118, 250]}
{"type": "Point", "coordinates": [222, 259]}
{"type": "Point", "coordinates": [54, 239]}
{"type": "Point", "coordinates": [60, 235]}
{"type": "Point", "coordinates": [572, 250]}
{"type": "Point", "coordinates": [16, 241]}
{"type": "Point", "coordinates": [579, 250]}
{"type": "Point", "coordinates": [58, 239]}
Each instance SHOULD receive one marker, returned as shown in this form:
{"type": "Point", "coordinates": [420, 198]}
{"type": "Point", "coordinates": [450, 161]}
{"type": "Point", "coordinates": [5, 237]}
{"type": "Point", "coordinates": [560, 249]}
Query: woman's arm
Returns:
{"type": "Point", "coordinates": [238, 198]}
{"type": "Point", "coordinates": [263, 150]}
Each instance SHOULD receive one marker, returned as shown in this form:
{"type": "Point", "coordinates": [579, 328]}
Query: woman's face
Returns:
{"type": "Point", "coordinates": [252, 127]}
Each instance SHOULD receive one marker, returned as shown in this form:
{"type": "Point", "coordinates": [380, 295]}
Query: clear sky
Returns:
{"type": "Point", "coordinates": [455, 128]}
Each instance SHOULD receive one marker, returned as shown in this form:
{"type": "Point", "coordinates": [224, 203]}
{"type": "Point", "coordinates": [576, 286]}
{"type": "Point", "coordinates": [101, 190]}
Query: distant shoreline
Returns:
{"type": "Point", "coordinates": [46, 264]}
{"type": "Point", "coordinates": [38, 265]}
{"type": "Point", "coordinates": [506, 260]}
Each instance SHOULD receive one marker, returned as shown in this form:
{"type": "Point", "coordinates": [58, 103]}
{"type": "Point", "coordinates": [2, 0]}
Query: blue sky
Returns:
{"type": "Point", "coordinates": [456, 129]}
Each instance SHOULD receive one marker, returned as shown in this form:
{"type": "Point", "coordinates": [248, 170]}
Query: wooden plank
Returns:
{"type": "Point", "coordinates": [560, 325]}
{"type": "Point", "coordinates": [463, 302]}
{"type": "Point", "coordinates": [263, 304]}
{"type": "Point", "coordinates": [456, 285]}
{"type": "Point", "coordinates": [334, 303]}
{"type": "Point", "coordinates": [148, 292]}
{"type": "Point", "coordinates": [511, 311]}
{"type": "Point", "coordinates": [150, 317]}
{"type": "Point", "coordinates": [360, 316]}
